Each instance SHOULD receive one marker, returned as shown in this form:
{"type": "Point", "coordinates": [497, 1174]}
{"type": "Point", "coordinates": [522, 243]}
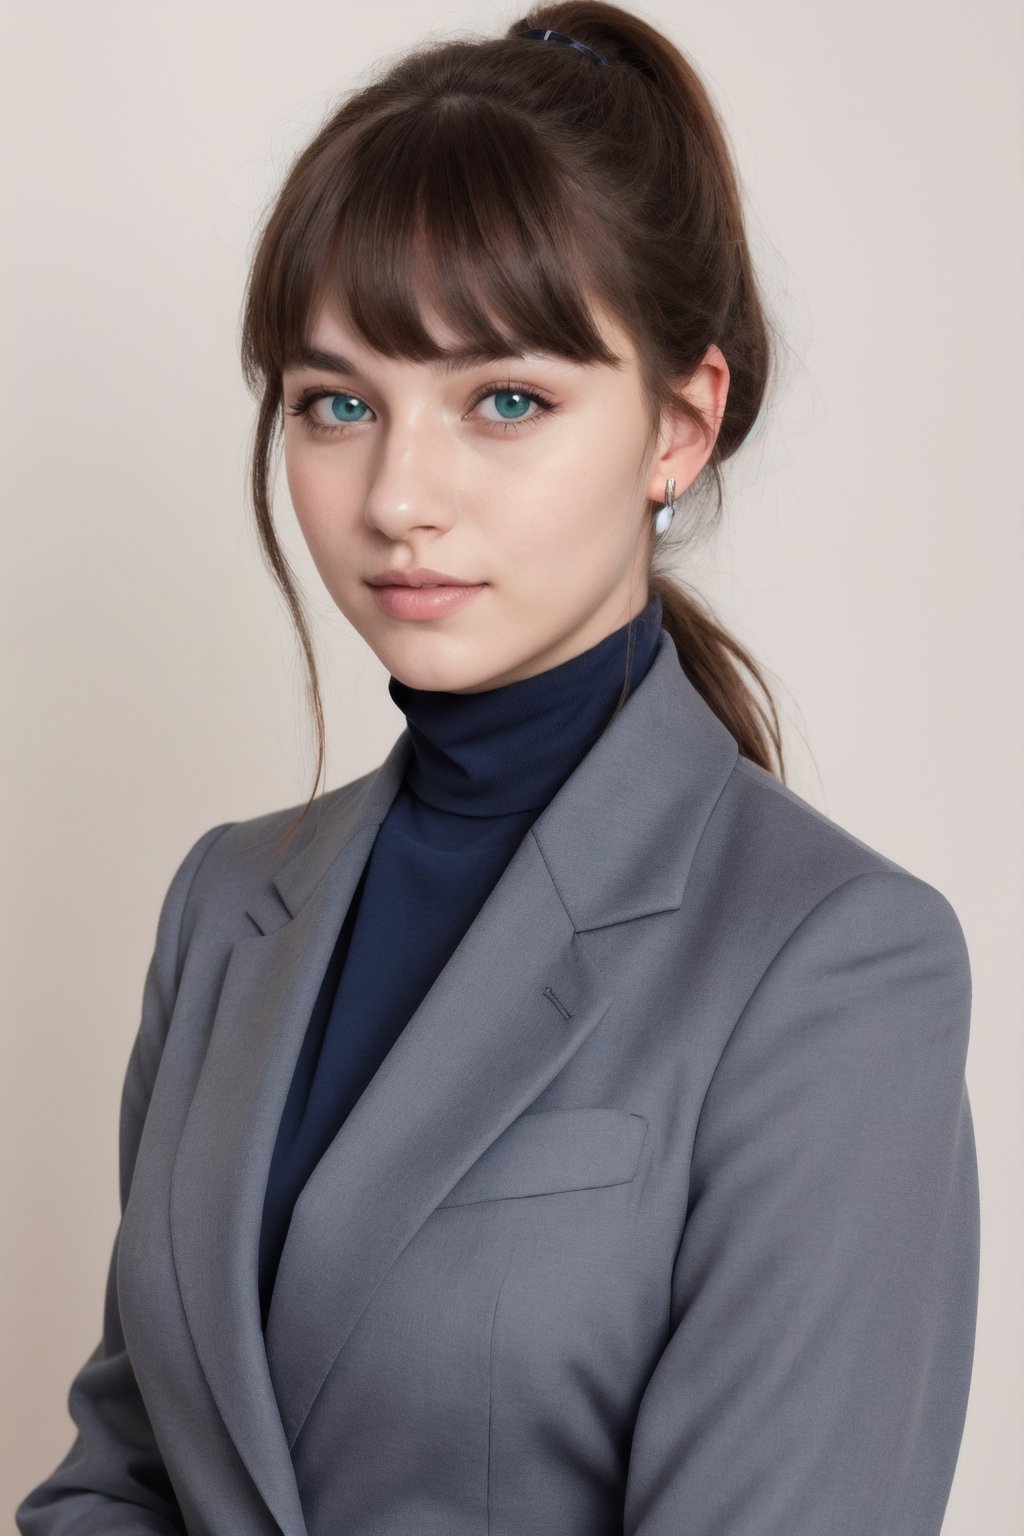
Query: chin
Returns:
{"type": "Point", "coordinates": [411, 666]}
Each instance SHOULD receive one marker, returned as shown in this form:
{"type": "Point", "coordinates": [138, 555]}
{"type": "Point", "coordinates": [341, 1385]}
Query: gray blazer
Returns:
{"type": "Point", "coordinates": [660, 1217]}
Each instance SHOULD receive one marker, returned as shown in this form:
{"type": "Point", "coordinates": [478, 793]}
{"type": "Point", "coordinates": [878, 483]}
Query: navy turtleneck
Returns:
{"type": "Point", "coordinates": [510, 748]}
{"type": "Point", "coordinates": [483, 766]}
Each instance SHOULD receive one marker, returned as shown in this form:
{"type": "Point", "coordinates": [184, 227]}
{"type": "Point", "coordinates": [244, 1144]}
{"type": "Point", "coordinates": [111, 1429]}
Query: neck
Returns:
{"type": "Point", "coordinates": [508, 749]}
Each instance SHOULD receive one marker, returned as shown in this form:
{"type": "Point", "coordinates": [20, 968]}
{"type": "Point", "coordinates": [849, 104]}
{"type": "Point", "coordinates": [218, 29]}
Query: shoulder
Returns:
{"type": "Point", "coordinates": [763, 800]}
{"type": "Point", "coordinates": [786, 864]}
{"type": "Point", "coordinates": [232, 863]}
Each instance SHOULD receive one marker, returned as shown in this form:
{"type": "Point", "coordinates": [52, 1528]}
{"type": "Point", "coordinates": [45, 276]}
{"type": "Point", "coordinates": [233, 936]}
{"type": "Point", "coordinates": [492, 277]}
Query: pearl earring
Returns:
{"type": "Point", "coordinates": [664, 515]}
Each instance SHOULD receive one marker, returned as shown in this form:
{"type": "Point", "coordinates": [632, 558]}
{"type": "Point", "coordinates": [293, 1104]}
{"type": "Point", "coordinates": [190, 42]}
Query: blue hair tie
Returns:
{"type": "Point", "coordinates": [545, 35]}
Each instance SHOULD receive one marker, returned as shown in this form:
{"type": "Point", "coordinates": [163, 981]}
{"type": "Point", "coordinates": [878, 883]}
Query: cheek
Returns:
{"type": "Point", "coordinates": [319, 505]}
{"type": "Point", "coordinates": [543, 521]}
{"type": "Point", "coordinates": [304, 484]}
{"type": "Point", "coordinates": [583, 507]}
{"type": "Point", "coordinates": [588, 535]}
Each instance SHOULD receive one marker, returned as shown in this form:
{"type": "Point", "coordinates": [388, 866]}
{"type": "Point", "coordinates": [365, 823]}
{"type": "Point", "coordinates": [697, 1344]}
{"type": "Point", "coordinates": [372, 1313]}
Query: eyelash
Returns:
{"type": "Point", "coordinates": [301, 406]}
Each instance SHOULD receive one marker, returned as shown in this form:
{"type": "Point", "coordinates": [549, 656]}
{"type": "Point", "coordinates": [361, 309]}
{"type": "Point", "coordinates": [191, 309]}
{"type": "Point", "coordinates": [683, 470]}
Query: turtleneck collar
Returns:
{"type": "Point", "coordinates": [509, 749]}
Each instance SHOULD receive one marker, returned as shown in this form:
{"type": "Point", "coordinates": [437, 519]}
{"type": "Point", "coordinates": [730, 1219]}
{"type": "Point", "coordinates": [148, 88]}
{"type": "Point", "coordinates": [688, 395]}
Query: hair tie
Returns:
{"type": "Point", "coordinates": [545, 35]}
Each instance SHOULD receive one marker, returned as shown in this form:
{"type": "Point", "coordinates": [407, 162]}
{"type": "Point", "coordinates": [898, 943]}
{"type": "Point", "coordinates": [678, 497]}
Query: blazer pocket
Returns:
{"type": "Point", "coordinates": [548, 1150]}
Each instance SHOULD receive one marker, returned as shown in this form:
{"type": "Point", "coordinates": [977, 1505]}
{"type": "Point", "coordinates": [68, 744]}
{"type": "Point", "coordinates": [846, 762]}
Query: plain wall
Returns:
{"type": "Point", "coordinates": [869, 556]}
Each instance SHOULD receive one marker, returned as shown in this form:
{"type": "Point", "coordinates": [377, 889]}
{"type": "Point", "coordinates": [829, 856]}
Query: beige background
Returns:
{"type": "Point", "coordinates": [870, 554]}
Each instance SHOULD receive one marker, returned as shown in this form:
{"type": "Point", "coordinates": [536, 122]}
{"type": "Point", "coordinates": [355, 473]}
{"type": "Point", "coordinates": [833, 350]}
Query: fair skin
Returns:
{"type": "Point", "coordinates": [549, 513]}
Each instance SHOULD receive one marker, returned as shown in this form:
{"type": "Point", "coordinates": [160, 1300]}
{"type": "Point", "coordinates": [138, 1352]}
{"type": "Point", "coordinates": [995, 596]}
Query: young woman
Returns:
{"type": "Point", "coordinates": [562, 1131]}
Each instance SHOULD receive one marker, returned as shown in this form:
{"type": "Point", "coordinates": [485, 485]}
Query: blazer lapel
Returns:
{"type": "Point", "coordinates": [222, 1163]}
{"type": "Point", "coordinates": [520, 994]}
{"type": "Point", "coordinates": [514, 1001]}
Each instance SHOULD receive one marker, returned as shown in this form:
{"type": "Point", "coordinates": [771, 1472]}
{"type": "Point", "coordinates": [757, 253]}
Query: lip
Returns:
{"type": "Point", "coordinates": [417, 578]}
{"type": "Point", "coordinates": [406, 602]}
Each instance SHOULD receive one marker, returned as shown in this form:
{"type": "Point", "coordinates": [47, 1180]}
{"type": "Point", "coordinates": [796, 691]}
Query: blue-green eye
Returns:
{"type": "Point", "coordinates": [341, 406]}
{"type": "Point", "coordinates": [516, 399]}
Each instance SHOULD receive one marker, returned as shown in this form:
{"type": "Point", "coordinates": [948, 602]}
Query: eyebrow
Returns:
{"type": "Point", "coordinates": [455, 362]}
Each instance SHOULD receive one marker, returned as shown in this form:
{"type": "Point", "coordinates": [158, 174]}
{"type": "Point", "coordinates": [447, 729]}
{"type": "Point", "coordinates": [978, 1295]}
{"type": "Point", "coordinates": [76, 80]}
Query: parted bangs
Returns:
{"type": "Point", "coordinates": [450, 210]}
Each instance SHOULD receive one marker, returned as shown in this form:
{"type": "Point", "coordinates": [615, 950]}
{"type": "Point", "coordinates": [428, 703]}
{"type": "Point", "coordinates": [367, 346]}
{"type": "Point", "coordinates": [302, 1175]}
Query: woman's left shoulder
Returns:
{"type": "Point", "coordinates": [782, 849]}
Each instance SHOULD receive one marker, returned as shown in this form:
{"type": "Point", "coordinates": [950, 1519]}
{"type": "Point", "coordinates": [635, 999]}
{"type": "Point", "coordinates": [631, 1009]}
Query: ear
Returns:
{"type": "Point", "coordinates": [682, 450]}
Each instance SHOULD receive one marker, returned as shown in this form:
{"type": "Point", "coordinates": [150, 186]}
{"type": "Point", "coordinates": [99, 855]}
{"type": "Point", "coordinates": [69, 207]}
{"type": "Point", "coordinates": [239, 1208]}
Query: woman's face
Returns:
{"type": "Point", "coordinates": [538, 503]}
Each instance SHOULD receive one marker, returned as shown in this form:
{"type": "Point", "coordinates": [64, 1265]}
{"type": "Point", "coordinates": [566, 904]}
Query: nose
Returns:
{"type": "Point", "coordinates": [409, 493]}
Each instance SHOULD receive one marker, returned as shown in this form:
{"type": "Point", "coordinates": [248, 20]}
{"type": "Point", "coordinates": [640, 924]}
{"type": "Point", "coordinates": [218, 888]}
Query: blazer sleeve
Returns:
{"type": "Point", "coordinates": [113, 1479]}
{"type": "Point", "coordinates": [818, 1359]}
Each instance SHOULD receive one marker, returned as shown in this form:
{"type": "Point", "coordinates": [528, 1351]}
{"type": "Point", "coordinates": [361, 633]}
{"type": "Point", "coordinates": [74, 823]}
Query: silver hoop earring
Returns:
{"type": "Point", "coordinates": [665, 514]}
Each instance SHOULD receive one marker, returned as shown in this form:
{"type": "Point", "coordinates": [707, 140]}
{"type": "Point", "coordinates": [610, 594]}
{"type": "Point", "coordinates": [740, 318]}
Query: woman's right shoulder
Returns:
{"type": "Point", "coordinates": [233, 862]}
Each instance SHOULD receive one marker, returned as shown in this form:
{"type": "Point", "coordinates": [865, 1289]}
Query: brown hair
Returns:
{"type": "Point", "coordinates": [506, 177]}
